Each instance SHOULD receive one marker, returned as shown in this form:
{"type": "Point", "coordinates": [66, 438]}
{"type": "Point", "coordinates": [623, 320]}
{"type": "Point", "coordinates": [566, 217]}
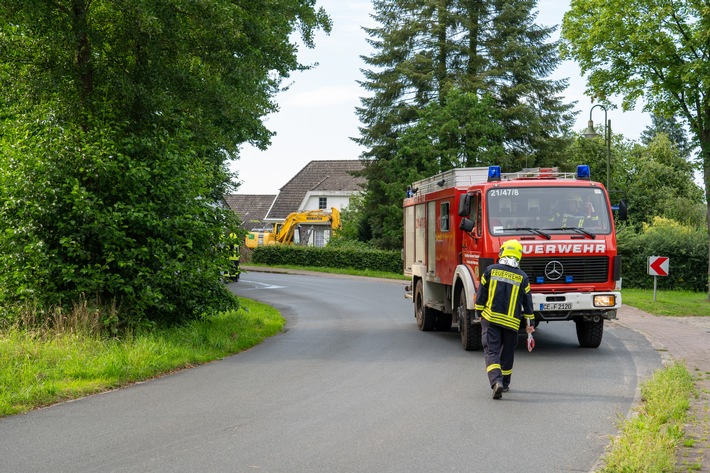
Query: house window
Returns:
{"type": "Point", "coordinates": [322, 203]}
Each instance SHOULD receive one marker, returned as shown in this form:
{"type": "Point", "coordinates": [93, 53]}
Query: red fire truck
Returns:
{"type": "Point", "coordinates": [456, 221]}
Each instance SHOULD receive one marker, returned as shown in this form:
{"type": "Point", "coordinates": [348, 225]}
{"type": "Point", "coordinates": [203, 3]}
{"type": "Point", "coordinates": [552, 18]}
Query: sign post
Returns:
{"type": "Point", "coordinates": [657, 266]}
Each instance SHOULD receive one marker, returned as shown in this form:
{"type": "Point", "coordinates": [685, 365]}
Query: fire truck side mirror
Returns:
{"type": "Point", "coordinates": [464, 205]}
{"type": "Point", "coordinates": [466, 225]}
{"type": "Point", "coordinates": [623, 210]}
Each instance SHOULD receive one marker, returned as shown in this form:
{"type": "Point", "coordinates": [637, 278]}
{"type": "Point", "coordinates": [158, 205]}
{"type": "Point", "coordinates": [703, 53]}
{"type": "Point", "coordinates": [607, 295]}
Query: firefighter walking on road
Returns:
{"type": "Point", "coordinates": [502, 301]}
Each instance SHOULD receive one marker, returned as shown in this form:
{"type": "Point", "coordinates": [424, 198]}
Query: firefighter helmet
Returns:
{"type": "Point", "coordinates": [511, 248]}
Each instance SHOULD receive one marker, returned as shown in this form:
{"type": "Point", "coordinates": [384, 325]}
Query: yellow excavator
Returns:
{"type": "Point", "coordinates": [299, 228]}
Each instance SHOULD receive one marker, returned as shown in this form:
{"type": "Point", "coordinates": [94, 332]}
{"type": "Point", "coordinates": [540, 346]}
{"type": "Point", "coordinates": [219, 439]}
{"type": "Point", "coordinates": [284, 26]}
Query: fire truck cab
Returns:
{"type": "Point", "coordinates": [456, 221]}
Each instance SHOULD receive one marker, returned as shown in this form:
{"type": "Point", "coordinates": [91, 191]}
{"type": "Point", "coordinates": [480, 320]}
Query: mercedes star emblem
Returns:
{"type": "Point", "coordinates": [554, 270]}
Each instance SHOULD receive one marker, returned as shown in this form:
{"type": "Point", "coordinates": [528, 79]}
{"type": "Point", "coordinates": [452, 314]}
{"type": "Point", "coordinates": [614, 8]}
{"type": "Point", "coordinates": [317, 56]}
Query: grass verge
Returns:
{"type": "Point", "coordinates": [668, 303]}
{"type": "Point", "coordinates": [38, 369]}
{"type": "Point", "coordinates": [649, 440]}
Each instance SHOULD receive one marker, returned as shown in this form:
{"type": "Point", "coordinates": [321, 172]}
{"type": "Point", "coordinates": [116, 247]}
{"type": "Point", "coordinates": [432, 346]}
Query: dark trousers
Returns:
{"type": "Point", "coordinates": [498, 351]}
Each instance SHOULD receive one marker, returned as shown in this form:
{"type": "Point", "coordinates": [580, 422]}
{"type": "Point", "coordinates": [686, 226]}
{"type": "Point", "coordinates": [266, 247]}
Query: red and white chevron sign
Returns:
{"type": "Point", "coordinates": [658, 265]}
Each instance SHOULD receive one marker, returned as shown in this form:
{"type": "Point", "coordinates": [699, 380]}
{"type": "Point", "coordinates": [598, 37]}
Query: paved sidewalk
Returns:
{"type": "Point", "coordinates": [682, 339]}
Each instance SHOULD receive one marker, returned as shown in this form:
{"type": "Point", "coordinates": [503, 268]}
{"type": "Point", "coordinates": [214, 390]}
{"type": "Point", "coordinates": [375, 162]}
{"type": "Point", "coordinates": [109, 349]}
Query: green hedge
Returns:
{"type": "Point", "coordinates": [686, 247]}
{"type": "Point", "coordinates": [356, 258]}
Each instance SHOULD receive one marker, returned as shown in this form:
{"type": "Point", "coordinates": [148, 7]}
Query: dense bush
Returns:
{"type": "Point", "coordinates": [343, 257]}
{"type": "Point", "coordinates": [686, 247]}
{"type": "Point", "coordinates": [120, 221]}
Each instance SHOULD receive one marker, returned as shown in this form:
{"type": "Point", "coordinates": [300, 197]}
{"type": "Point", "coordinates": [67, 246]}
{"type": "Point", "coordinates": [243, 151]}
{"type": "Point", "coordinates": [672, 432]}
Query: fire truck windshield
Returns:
{"type": "Point", "coordinates": [547, 210]}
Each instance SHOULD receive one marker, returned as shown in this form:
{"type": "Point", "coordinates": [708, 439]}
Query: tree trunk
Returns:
{"type": "Point", "coordinates": [80, 25]}
{"type": "Point", "coordinates": [705, 156]}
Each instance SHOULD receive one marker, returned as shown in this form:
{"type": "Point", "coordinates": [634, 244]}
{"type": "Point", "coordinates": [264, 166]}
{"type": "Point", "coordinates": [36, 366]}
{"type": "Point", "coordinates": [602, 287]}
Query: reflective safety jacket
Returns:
{"type": "Point", "coordinates": [233, 247]}
{"type": "Point", "coordinates": [503, 295]}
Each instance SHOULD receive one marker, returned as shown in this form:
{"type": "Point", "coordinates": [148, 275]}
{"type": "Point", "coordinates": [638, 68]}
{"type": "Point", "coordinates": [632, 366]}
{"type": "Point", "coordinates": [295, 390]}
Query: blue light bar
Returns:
{"type": "Point", "coordinates": [583, 172]}
{"type": "Point", "coordinates": [493, 173]}
{"type": "Point", "coordinates": [540, 279]}
{"type": "Point", "coordinates": [569, 279]}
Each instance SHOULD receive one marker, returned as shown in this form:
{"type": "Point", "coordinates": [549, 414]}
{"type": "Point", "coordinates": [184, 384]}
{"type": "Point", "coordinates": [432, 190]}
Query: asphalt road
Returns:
{"type": "Point", "coordinates": [351, 386]}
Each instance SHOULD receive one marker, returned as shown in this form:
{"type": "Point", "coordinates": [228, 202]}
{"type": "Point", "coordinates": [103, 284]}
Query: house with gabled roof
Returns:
{"type": "Point", "coordinates": [320, 184]}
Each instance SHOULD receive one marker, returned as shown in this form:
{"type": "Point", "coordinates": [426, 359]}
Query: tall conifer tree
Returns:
{"type": "Point", "coordinates": [433, 61]}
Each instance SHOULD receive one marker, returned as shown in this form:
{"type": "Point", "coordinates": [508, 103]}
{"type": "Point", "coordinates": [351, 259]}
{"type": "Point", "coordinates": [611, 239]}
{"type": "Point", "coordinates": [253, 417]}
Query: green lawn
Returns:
{"type": "Point", "coordinates": [669, 303]}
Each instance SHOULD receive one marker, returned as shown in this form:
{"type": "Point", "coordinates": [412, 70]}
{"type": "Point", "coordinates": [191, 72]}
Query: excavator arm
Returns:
{"type": "Point", "coordinates": [318, 217]}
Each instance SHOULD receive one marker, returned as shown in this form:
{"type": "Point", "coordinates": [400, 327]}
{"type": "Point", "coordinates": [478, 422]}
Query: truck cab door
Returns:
{"type": "Point", "coordinates": [472, 241]}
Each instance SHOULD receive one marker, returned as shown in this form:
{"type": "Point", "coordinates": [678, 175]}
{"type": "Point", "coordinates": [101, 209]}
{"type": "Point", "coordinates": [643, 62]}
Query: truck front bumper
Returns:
{"type": "Point", "coordinates": [571, 305]}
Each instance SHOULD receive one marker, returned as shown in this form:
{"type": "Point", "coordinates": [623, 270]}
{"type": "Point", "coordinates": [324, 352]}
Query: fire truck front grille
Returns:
{"type": "Point", "coordinates": [584, 269]}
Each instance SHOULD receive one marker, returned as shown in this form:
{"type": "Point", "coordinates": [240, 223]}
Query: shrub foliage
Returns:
{"type": "Point", "coordinates": [686, 247]}
{"type": "Point", "coordinates": [341, 257]}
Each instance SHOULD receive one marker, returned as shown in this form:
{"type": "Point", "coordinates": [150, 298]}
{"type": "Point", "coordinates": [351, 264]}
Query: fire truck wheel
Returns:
{"type": "Point", "coordinates": [589, 333]}
{"type": "Point", "coordinates": [470, 332]}
{"type": "Point", "coordinates": [426, 317]}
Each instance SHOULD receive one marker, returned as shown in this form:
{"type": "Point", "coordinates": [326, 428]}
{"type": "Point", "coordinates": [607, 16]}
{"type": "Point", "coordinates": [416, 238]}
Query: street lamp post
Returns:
{"type": "Point", "coordinates": [591, 133]}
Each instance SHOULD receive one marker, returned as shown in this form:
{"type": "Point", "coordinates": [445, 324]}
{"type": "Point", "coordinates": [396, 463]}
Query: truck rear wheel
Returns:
{"type": "Point", "coordinates": [589, 333]}
{"type": "Point", "coordinates": [470, 332]}
{"type": "Point", "coordinates": [426, 317]}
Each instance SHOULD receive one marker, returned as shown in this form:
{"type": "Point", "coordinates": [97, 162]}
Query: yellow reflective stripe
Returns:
{"type": "Point", "coordinates": [502, 319]}
{"type": "Point", "coordinates": [513, 301]}
{"type": "Point", "coordinates": [491, 294]}
{"type": "Point", "coordinates": [494, 366]}
{"type": "Point", "coordinates": [506, 372]}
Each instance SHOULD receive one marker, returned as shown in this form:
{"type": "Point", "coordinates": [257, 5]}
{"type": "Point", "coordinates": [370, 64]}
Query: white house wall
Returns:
{"type": "Point", "coordinates": [337, 199]}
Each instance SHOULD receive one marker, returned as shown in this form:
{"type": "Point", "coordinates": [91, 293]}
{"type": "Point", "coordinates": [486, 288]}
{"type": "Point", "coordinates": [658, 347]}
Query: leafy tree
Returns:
{"type": "Point", "coordinates": [675, 131]}
{"type": "Point", "coordinates": [655, 179]}
{"type": "Point", "coordinates": [659, 183]}
{"type": "Point", "coordinates": [462, 132]}
{"type": "Point", "coordinates": [655, 49]}
{"type": "Point", "coordinates": [117, 121]}
{"type": "Point", "coordinates": [352, 226]}
{"type": "Point", "coordinates": [593, 152]}
{"type": "Point", "coordinates": [434, 59]}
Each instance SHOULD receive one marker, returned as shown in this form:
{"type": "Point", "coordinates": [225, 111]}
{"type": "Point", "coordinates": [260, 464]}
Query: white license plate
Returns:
{"type": "Point", "coordinates": [556, 306]}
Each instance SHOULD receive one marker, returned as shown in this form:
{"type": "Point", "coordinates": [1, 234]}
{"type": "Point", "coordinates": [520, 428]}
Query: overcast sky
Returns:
{"type": "Point", "coordinates": [317, 114]}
